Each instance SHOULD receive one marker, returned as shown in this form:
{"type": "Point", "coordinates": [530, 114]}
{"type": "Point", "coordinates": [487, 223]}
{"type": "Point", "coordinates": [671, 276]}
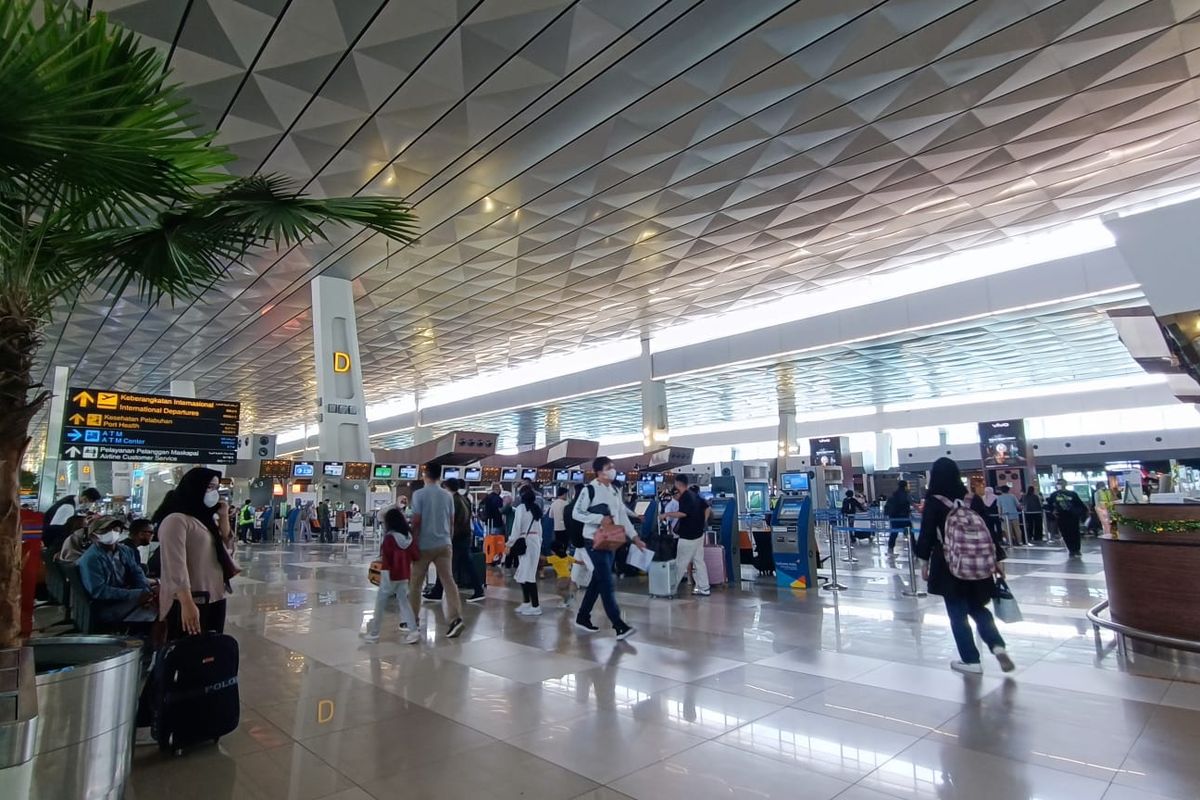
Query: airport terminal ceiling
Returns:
{"type": "Point", "coordinates": [584, 170]}
{"type": "Point", "coordinates": [1075, 342]}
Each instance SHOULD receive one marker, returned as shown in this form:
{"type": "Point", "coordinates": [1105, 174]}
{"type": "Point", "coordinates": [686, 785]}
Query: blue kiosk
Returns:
{"type": "Point", "coordinates": [792, 532]}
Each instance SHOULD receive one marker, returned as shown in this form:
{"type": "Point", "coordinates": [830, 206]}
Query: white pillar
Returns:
{"type": "Point", "coordinates": [342, 416]}
{"type": "Point", "coordinates": [54, 426]}
{"type": "Point", "coordinates": [656, 430]}
{"type": "Point", "coordinates": [526, 429]}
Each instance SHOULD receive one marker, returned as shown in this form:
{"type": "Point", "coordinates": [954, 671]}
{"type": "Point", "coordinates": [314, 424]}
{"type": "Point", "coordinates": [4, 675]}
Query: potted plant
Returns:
{"type": "Point", "coordinates": [104, 183]}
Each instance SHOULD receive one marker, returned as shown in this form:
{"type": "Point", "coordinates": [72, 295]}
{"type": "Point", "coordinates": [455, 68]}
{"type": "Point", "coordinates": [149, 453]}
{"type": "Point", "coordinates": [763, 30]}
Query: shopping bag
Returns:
{"type": "Point", "coordinates": [1004, 605]}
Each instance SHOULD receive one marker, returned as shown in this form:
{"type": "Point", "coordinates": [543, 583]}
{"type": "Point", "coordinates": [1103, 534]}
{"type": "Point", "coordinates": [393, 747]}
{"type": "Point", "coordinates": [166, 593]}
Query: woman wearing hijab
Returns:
{"type": "Point", "coordinates": [963, 598]}
{"type": "Point", "coordinates": [987, 507]}
{"type": "Point", "coordinates": [196, 564]}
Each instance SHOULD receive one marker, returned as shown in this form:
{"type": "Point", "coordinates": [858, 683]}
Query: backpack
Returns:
{"type": "Point", "coordinates": [574, 527]}
{"type": "Point", "coordinates": [52, 510]}
{"type": "Point", "coordinates": [967, 543]}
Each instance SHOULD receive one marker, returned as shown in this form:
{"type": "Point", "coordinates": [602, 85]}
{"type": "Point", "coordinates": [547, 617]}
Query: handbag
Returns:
{"type": "Point", "coordinates": [1004, 605]}
{"type": "Point", "coordinates": [609, 537]}
{"type": "Point", "coordinates": [520, 547]}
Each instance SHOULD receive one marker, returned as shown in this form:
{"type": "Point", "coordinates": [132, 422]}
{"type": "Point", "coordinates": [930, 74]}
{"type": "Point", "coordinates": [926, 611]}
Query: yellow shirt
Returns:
{"type": "Point", "coordinates": [561, 565]}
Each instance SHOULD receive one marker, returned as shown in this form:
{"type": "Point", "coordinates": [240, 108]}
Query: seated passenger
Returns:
{"type": "Point", "coordinates": [113, 577]}
{"type": "Point", "coordinates": [141, 534]}
{"type": "Point", "coordinates": [77, 540]}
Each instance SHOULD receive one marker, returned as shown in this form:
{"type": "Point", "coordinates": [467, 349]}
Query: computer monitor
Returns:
{"type": "Point", "coordinates": [451, 473]}
{"type": "Point", "coordinates": [658, 477]}
{"type": "Point", "coordinates": [561, 476]}
{"type": "Point", "coordinates": [302, 469]}
{"type": "Point", "coordinates": [794, 481]}
{"type": "Point", "coordinates": [333, 469]}
{"type": "Point", "coordinates": [409, 472]}
{"type": "Point", "coordinates": [577, 476]}
{"type": "Point", "coordinates": [620, 477]}
{"type": "Point", "coordinates": [646, 488]}
{"type": "Point", "coordinates": [473, 474]}
{"type": "Point", "coordinates": [529, 474]}
{"type": "Point", "coordinates": [384, 472]}
{"type": "Point", "coordinates": [508, 474]}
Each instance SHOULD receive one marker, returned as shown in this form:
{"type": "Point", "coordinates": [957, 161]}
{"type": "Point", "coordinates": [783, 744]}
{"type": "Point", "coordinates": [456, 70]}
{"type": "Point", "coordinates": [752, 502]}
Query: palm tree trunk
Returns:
{"type": "Point", "coordinates": [19, 339]}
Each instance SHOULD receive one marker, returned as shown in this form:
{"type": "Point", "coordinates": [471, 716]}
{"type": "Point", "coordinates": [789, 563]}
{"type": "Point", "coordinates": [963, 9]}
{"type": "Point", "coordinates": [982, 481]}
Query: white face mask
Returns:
{"type": "Point", "coordinates": [463, 492]}
{"type": "Point", "coordinates": [109, 537]}
{"type": "Point", "coordinates": [211, 498]}
{"type": "Point", "coordinates": [610, 473]}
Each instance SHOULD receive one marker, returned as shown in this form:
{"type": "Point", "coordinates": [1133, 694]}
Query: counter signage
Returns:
{"type": "Point", "coordinates": [101, 425]}
{"type": "Point", "coordinates": [384, 472]}
{"type": "Point", "coordinates": [409, 472]}
{"type": "Point", "coordinates": [1002, 443]}
{"type": "Point", "coordinates": [275, 468]}
{"type": "Point", "coordinates": [357, 470]}
{"type": "Point", "coordinates": [333, 469]}
{"type": "Point", "coordinates": [472, 474]}
{"type": "Point", "coordinates": [303, 469]}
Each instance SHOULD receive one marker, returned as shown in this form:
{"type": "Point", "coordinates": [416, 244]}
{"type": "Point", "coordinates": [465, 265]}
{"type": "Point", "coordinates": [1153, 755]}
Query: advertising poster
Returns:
{"type": "Point", "coordinates": [826, 451]}
{"type": "Point", "coordinates": [1002, 443]}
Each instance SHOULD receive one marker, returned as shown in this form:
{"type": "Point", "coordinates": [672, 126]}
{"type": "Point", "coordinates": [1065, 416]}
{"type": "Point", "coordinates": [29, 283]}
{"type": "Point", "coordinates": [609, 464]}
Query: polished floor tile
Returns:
{"type": "Point", "coordinates": [835, 747]}
{"type": "Point", "coordinates": [940, 770]}
{"type": "Point", "coordinates": [754, 693]}
{"type": "Point", "coordinates": [713, 771]}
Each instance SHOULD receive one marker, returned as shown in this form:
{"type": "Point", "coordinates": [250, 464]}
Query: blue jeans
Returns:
{"type": "Point", "coordinates": [958, 609]}
{"type": "Point", "coordinates": [601, 586]}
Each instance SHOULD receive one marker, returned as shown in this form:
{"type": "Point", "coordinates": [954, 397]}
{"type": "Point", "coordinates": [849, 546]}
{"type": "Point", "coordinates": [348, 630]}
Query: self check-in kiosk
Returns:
{"type": "Point", "coordinates": [793, 538]}
{"type": "Point", "coordinates": [722, 523]}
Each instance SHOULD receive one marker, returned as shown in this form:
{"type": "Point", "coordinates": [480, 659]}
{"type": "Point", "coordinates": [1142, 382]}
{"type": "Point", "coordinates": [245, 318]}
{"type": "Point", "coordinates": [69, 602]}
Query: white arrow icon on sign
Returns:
{"type": "Point", "coordinates": [73, 452]}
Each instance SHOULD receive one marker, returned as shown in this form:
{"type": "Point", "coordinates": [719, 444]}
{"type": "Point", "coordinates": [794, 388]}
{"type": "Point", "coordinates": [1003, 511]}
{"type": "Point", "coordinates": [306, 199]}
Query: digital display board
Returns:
{"type": "Point", "coordinates": [472, 474]}
{"type": "Point", "coordinates": [529, 474]}
{"type": "Point", "coordinates": [561, 476]}
{"type": "Point", "coordinates": [303, 469]}
{"type": "Point", "coordinates": [275, 468]}
{"type": "Point", "coordinates": [449, 473]}
{"type": "Point", "coordinates": [409, 472]}
{"type": "Point", "coordinates": [102, 425]}
{"type": "Point", "coordinates": [357, 470]}
{"type": "Point", "coordinates": [333, 469]}
{"type": "Point", "coordinates": [794, 481]}
{"type": "Point", "coordinates": [1002, 443]}
{"type": "Point", "coordinates": [508, 474]}
{"type": "Point", "coordinates": [825, 451]}
{"type": "Point", "coordinates": [646, 488]}
{"type": "Point", "coordinates": [658, 477]}
{"type": "Point", "coordinates": [383, 472]}
{"type": "Point", "coordinates": [577, 476]}
{"type": "Point", "coordinates": [620, 477]}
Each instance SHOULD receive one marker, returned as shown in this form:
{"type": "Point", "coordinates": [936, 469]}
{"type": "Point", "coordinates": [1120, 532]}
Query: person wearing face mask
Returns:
{"type": "Point", "coordinates": [54, 531]}
{"type": "Point", "coordinates": [600, 504]}
{"type": "Point", "coordinates": [196, 562]}
{"type": "Point", "coordinates": [113, 578]}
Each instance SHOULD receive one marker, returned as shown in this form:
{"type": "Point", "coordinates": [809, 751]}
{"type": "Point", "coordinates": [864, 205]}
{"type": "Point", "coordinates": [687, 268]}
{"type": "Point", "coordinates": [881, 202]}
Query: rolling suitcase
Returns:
{"type": "Point", "coordinates": [195, 691]}
{"type": "Point", "coordinates": [714, 561]}
{"type": "Point", "coordinates": [664, 578]}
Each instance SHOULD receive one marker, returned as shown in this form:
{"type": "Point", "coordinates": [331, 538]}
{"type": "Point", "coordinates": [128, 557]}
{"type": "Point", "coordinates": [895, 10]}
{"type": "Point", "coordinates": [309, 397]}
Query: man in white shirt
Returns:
{"type": "Point", "coordinates": [600, 504]}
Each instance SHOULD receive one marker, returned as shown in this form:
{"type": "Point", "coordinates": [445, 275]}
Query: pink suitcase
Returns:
{"type": "Point", "coordinates": [714, 560]}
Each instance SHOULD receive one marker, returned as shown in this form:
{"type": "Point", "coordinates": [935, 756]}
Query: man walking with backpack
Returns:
{"type": "Point", "coordinates": [1068, 511]}
{"type": "Point", "coordinates": [960, 555]}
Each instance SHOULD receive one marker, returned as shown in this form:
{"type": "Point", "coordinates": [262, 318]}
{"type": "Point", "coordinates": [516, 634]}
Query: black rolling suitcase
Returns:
{"type": "Point", "coordinates": [195, 692]}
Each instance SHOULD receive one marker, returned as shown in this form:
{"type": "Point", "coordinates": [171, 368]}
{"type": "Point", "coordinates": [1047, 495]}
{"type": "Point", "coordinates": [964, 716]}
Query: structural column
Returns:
{"type": "Point", "coordinates": [553, 425]}
{"type": "Point", "coordinates": [421, 432]}
{"type": "Point", "coordinates": [526, 429]}
{"type": "Point", "coordinates": [656, 430]}
{"type": "Point", "coordinates": [341, 406]}
{"type": "Point", "coordinates": [54, 426]}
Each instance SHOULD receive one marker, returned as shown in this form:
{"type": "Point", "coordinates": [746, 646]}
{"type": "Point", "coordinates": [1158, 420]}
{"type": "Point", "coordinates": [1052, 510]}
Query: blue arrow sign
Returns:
{"type": "Point", "coordinates": [74, 435]}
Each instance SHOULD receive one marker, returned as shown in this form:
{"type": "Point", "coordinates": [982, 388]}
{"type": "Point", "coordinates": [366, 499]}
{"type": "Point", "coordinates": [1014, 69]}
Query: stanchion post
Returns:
{"type": "Point", "coordinates": [833, 584]}
{"type": "Point", "coordinates": [914, 589]}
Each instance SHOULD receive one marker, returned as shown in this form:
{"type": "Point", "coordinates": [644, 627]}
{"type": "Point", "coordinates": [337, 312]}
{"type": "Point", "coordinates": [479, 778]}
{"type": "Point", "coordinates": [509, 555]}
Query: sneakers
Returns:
{"type": "Point", "coordinates": [530, 611]}
{"type": "Point", "coordinates": [370, 638]}
{"type": "Point", "coordinates": [700, 593]}
{"type": "Point", "coordinates": [521, 609]}
{"type": "Point", "coordinates": [456, 628]}
{"type": "Point", "coordinates": [967, 669]}
{"type": "Point", "coordinates": [403, 627]}
{"type": "Point", "coordinates": [625, 631]}
{"type": "Point", "coordinates": [1006, 662]}
{"type": "Point", "coordinates": [429, 598]}
{"type": "Point", "coordinates": [478, 597]}
{"type": "Point", "coordinates": [585, 625]}
{"type": "Point", "coordinates": [144, 736]}
{"type": "Point", "coordinates": [412, 637]}
{"type": "Point", "coordinates": [569, 602]}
